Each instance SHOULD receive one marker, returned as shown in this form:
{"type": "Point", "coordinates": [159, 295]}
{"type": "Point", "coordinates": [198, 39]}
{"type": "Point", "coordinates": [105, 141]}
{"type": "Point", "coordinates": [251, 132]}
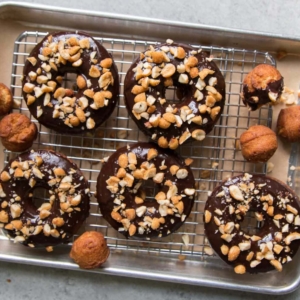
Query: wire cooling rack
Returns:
{"type": "Point", "coordinates": [216, 158]}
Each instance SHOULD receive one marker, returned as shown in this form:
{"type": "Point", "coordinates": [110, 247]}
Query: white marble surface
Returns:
{"type": "Point", "coordinates": [29, 282]}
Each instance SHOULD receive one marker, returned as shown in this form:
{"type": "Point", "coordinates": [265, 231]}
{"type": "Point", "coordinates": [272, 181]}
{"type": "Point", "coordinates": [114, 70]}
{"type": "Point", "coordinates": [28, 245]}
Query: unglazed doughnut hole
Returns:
{"type": "Point", "coordinates": [288, 123]}
{"type": "Point", "coordinates": [200, 88]}
{"type": "Point", "coordinates": [258, 143]}
{"type": "Point", "coordinates": [275, 206]}
{"type": "Point", "coordinates": [17, 132]}
{"type": "Point", "coordinates": [67, 109]}
{"type": "Point", "coordinates": [42, 224]}
{"type": "Point", "coordinates": [264, 84]}
{"type": "Point", "coordinates": [121, 191]}
{"type": "Point", "coordinates": [6, 99]}
{"type": "Point", "coordinates": [90, 250]}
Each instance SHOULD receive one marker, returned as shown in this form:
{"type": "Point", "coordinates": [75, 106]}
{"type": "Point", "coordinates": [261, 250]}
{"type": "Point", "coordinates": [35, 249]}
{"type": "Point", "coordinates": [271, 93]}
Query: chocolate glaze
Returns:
{"type": "Point", "coordinates": [186, 91]}
{"type": "Point", "coordinates": [30, 214]}
{"type": "Point", "coordinates": [262, 94]}
{"type": "Point", "coordinates": [267, 232]}
{"type": "Point", "coordinates": [105, 197]}
{"type": "Point", "coordinates": [100, 115]}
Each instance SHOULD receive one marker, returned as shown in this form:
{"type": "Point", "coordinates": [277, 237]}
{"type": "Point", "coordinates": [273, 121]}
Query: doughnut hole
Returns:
{"type": "Point", "coordinates": [258, 143]}
{"type": "Point", "coordinates": [288, 123]}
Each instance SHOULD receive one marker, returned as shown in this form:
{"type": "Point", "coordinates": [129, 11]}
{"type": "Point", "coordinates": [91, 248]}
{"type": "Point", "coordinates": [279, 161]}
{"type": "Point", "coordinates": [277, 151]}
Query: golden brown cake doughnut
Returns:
{"type": "Point", "coordinates": [288, 123]}
{"type": "Point", "coordinates": [258, 143]}
{"type": "Point", "coordinates": [264, 84]}
{"type": "Point", "coordinates": [6, 99]}
{"type": "Point", "coordinates": [17, 132]}
{"type": "Point", "coordinates": [90, 250]}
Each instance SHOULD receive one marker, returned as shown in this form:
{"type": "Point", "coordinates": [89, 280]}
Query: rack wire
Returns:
{"type": "Point", "coordinates": [216, 158]}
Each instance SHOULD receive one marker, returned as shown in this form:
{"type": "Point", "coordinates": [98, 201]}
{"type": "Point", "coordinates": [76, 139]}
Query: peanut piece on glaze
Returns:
{"type": "Point", "coordinates": [123, 161]}
{"type": "Point", "coordinates": [207, 216]}
{"type": "Point", "coordinates": [106, 63]}
{"type": "Point", "coordinates": [163, 142]}
{"type": "Point", "coordinates": [233, 253]}
{"type": "Point", "coordinates": [152, 153]}
{"type": "Point", "coordinates": [174, 143]}
{"type": "Point", "coordinates": [81, 83]}
{"type": "Point", "coordinates": [116, 216]}
{"type": "Point", "coordinates": [240, 269]}
{"type": "Point", "coordinates": [224, 249]}
{"type": "Point", "coordinates": [276, 264]}
{"type": "Point", "coordinates": [132, 230]}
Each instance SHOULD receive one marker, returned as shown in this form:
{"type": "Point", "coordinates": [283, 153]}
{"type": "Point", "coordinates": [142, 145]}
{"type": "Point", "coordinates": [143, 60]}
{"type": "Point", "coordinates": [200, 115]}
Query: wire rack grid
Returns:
{"type": "Point", "coordinates": [216, 158]}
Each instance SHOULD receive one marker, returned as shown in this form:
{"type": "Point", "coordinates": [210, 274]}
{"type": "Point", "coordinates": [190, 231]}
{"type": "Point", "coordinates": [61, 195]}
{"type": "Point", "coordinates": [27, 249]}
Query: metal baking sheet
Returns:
{"type": "Point", "coordinates": [214, 159]}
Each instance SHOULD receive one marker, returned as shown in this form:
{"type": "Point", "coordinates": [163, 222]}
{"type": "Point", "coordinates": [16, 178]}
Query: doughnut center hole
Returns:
{"type": "Point", "coordinates": [148, 190]}
{"type": "Point", "coordinates": [173, 95]}
{"type": "Point", "coordinates": [250, 225]}
{"type": "Point", "coordinates": [40, 195]}
{"type": "Point", "coordinates": [69, 81]}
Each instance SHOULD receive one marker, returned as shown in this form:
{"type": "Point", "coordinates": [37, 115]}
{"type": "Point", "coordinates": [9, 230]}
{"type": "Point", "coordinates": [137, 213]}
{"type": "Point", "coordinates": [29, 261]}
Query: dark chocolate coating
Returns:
{"type": "Point", "coordinates": [262, 94]}
{"type": "Point", "coordinates": [184, 91]}
{"type": "Point", "coordinates": [105, 197]}
{"type": "Point", "coordinates": [100, 115]}
{"type": "Point", "coordinates": [269, 185]}
{"type": "Point", "coordinates": [30, 215]}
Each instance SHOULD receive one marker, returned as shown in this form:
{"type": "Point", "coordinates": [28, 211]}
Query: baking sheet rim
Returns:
{"type": "Point", "coordinates": [132, 18]}
{"type": "Point", "coordinates": [284, 289]}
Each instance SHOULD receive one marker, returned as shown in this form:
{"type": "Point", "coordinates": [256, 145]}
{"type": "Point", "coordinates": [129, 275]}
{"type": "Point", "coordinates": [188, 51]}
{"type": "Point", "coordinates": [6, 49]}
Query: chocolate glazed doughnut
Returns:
{"type": "Point", "coordinates": [200, 87]}
{"type": "Point", "coordinates": [62, 109]}
{"type": "Point", "coordinates": [122, 198]}
{"type": "Point", "coordinates": [54, 222]}
{"type": "Point", "coordinates": [274, 204]}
